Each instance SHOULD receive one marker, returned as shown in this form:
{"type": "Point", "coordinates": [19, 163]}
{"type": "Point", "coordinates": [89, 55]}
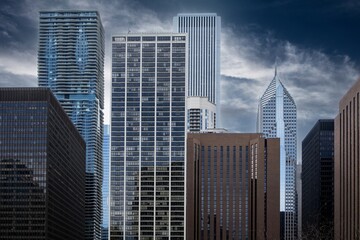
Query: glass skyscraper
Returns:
{"type": "Point", "coordinates": [203, 31]}
{"type": "Point", "coordinates": [71, 64]}
{"type": "Point", "coordinates": [105, 185]}
{"type": "Point", "coordinates": [277, 118]}
{"type": "Point", "coordinates": [147, 195]}
{"type": "Point", "coordinates": [42, 168]}
{"type": "Point", "coordinates": [318, 181]}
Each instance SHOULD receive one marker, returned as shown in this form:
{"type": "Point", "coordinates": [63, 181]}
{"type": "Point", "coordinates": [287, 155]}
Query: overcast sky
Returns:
{"type": "Point", "coordinates": [315, 42]}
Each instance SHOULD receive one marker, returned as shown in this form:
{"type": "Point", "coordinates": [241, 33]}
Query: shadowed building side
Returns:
{"type": "Point", "coordinates": [318, 181]}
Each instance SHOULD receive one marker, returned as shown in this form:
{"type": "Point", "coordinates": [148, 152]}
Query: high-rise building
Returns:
{"type": "Point", "coordinates": [42, 168]}
{"type": "Point", "coordinates": [200, 113]}
{"type": "Point", "coordinates": [277, 118]}
{"type": "Point", "coordinates": [71, 64]}
{"type": "Point", "coordinates": [232, 186]}
{"type": "Point", "coordinates": [318, 181]}
{"type": "Point", "coordinates": [105, 185]}
{"type": "Point", "coordinates": [147, 196]}
{"type": "Point", "coordinates": [203, 31]}
{"type": "Point", "coordinates": [347, 167]}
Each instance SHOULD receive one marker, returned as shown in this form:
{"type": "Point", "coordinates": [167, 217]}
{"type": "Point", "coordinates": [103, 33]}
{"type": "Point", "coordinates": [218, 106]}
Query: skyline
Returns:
{"type": "Point", "coordinates": [254, 36]}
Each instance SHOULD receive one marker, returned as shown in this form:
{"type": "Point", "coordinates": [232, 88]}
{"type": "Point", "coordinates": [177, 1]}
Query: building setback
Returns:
{"type": "Point", "coordinates": [277, 118]}
{"type": "Point", "coordinates": [71, 64]}
{"type": "Point", "coordinates": [347, 167]}
{"type": "Point", "coordinates": [318, 181]}
{"type": "Point", "coordinates": [147, 196]}
{"type": "Point", "coordinates": [42, 168]}
{"type": "Point", "coordinates": [232, 186]}
{"type": "Point", "coordinates": [203, 30]}
{"type": "Point", "coordinates": [200, 114]}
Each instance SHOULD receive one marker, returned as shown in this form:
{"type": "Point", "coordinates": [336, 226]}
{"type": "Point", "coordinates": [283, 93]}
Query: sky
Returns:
{"type": "Point", "coordinates": [315, 44]}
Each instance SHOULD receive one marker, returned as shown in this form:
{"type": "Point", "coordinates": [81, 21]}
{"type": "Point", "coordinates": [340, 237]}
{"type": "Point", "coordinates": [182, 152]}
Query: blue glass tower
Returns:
{"type": "Point", "coordinates": [277, 119]}
{"type": "Point", "coordinates": [147, 195]}
{"type": "Point", "coordinates": [105, 185]}
{"type": "Point", "coordinates": [71, 64]}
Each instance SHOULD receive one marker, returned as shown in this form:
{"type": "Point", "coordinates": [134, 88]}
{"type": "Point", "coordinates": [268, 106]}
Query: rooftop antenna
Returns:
{"type": "Point", "coordinates": [276, 65]}
{"type": "Point", "coordinates": [129, 30]}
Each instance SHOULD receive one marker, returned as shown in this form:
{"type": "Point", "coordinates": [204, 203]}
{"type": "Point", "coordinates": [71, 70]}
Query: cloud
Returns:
{"type": "Point", "coordinates": [315, 80]}
{"type": "Point", "coordinates": [8, 79]}
{"type": "Point", "coordinates": [19, 62]}
{"type": "Point", "coordinates": [19, 32]}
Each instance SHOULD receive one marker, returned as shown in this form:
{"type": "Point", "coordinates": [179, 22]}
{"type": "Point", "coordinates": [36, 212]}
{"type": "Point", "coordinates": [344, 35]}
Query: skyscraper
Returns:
{"type": "Point", "coordinates": [71, 64]}
{"type": "Point", "coordinates": [42, 168]}
{"type": "Point", "coordinates": [232, 186]}
{"type": "Point", "coordinates": [148, 136]}
{"type": "Point", "coordinates": [105, 185]}
{"type": "Point", "coordinates": [347, 166]}
{"type": "Point", "coordinates": [277, 118]}
{"type": "Point", "coordinates": [203, 31]}
{"type": "Point", "coordinates": [318, 181]}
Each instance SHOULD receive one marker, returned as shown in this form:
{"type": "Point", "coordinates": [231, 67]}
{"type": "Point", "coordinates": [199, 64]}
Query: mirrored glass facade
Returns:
{"type": "Point", "coordinates": [277, 118]}
{"type": "Point", "coordinates": [318, 180]}
{"type": "Point", "coordinates": [147, 198]}
{"type": "Point", "coordinates": [42, 168]}
{"type": "Point", "coordinates": [71, 64]}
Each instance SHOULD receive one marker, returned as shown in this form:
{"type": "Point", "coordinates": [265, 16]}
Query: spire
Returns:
{"type": "Point", "coordinates": [275, 69]}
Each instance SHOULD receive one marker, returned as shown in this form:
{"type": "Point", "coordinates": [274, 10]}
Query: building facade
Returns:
{"type": "Point", "coordinates": [318, 180]}
{"type": "Point", "coordinates": [203, 31]}
{"type": "Point", "coordinates": [71, 64]}
{"type": "Point", "coordinates": [42, 168]}
{"type": "Point", "coordinates": [299, 198]}
{"type": "Point", "coordinates": [277, 118]}
{"type": "Point", "coordinates": [232, 186]}
{"type": "Point", "coordinates": [347, 167]}
{"type": "Point", "coordinates": [201, 114]}
{"type": "Point", "coordinates": [105, 185]}
{"type": "Point", "coordinates": [148, 136]}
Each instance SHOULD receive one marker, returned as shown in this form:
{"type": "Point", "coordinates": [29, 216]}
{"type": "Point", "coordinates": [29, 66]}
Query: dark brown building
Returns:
{"type": "Point", "coordinates": [232, 186]}
{"type": "Point", "coordinates": [347, 167]}
{"type": "Point", "coordinates": [42, 168]}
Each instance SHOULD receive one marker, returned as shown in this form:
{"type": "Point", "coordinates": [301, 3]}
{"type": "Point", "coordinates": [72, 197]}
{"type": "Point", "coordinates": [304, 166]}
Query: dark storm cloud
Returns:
{"type": "Point", "coordinates": [238, 104]}
{"type": "Point", "coordinates": [8, 79]}
{"type": "Point", "coordinates": [315, 45]}
{"type": "Point", "coordinates": [17, 29]}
